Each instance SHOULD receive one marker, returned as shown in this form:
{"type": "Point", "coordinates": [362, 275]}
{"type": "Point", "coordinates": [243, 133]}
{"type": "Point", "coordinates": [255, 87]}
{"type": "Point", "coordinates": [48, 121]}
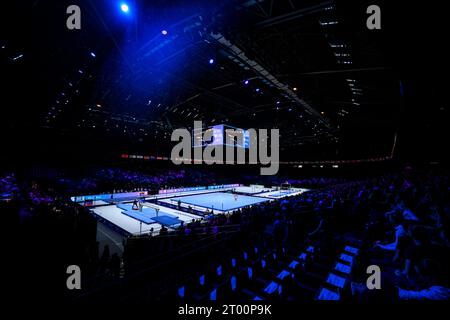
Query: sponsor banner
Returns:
{"type": "Point", "coordinates": [109, 196]}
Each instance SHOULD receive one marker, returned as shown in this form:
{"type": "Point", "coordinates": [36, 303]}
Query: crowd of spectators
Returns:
{"type": "Point", "coordinates": [46, 233]}
{"type": "Point", "coordinates": [117, 179]}
{"type": "Point", "coordinates": [401, 222]}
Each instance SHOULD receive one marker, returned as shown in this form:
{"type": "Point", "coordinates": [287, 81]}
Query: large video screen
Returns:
{"type": "Point", "coordinates": [221, 135]}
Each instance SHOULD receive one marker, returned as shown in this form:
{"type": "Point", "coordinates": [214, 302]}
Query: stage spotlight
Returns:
{"type": "Point", "coordinates": [246, 82]}
{"type": "Point", "coordinates": [257, 89]}
{"type": "Point", "coordinates": [295, 89]}
{"type": "Point", "coordinates": [124, 7]}
{"type": "Point", "coordinates": [92, 55]}
{"type": "Point", "coordinates": [164, 32]}
{"type": "Point", "coordinates": [18, 57]}
{"type": "Point", "coordinates": [211, 61]}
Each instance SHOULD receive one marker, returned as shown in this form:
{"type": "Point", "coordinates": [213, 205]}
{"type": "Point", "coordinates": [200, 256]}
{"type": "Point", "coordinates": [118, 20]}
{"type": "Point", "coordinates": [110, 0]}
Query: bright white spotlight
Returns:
{"type": "Point", "coordinates": [164, 32]}
{"type": "Point", "coordinates": [124, 7]}
{"type": "Point", "coordinates": [211, 61]}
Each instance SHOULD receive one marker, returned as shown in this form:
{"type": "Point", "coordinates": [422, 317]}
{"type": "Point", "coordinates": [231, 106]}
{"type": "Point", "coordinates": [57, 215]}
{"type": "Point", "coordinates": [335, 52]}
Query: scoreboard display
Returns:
{"type": "Point", "coordinates": [223, 135]}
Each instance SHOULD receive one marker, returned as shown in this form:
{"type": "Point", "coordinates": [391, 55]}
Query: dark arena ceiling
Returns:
{"type": "Point", "coordinates": [310, 68]}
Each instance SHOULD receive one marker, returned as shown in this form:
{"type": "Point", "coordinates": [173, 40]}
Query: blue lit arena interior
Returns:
{"type": "Point", "coordinates": [174, 209]}
{"type": "Point", "coordinates": [90, 176]}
